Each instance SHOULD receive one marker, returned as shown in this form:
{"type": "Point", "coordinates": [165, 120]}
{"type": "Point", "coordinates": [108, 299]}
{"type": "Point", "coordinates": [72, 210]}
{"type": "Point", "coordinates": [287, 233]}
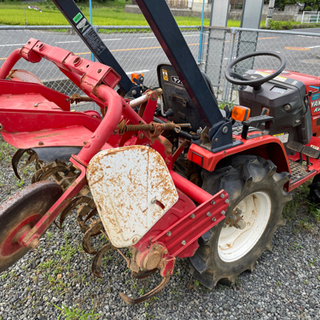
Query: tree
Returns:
{"type": "Point", "coordinates": [315, 4]}
{"type": "Point", "coordinates": [280, 4]}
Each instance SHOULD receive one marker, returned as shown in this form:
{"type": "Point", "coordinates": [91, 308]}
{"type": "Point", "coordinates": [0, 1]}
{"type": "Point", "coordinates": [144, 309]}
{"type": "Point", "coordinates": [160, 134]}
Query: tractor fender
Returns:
{"type": "Point", "coordinates": [267, 147]}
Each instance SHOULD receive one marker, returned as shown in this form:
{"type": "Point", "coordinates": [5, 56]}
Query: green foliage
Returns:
{"type": "Point", "coordinates": [67, 251]}
{"type": "Point", "coordinates": [287, 25]}
{"type": "Point", "coordinates": [313, 261]}
{"type": "Point", "coordinates": [76, 314]}
{"type": "Point", "coordinates": [308, 8]}
{"type": "Point", "coordinates": [280, 4]}
{"type": "Point", "coordinates": [107, 13]}
{"type": "Point", "coordinates": [275, 25]}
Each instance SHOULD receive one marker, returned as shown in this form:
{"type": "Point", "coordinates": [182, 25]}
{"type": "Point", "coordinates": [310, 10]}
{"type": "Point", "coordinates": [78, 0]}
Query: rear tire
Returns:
{"type": "Point", "coordinates": [256, 194]}
{"type": "Point", "coordinates": [314, 194]}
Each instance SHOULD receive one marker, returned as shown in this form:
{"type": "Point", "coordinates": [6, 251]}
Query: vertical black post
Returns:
{"type": "Point", "coordinates": [160, 19]}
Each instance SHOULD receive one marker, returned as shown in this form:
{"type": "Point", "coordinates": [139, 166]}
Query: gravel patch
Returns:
{"type": "Point", "coordinates": [284, 285]}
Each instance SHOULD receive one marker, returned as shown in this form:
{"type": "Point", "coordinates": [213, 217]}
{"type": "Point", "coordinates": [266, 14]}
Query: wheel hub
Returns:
{"type": "Point", "coordinates": [244, 227]}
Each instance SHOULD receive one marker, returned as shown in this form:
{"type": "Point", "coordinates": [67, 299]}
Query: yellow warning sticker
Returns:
{"type": "Point", "coordinates": [265, 74]}
{"type": "Point", "coordinates": [165, 75]}
{"type": "Point", "coordinates": [283, 79]}
{"type": "Point", "coordinates": [283, 137]}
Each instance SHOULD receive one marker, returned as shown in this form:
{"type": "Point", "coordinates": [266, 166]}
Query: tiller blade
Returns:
{"type": "Point", "coordinates": [133, 301]}
{"type": "Point", "coordinates": [17, 157]}
{"type": "Point", "coordinates": [72, 205]}
{"type": "Point", "coordinates": [94, 230]}
{"type": "Point", "coordinates": [96, 263]}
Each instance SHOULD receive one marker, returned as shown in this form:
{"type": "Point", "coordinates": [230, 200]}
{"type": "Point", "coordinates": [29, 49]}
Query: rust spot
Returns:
{"type": "Point", "coordinates": [47, 136]}
{"type": "Point", "coordinates": [40, 143]}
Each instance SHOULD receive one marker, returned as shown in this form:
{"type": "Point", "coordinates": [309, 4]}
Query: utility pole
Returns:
{"type": "Point", "coordinates": [270, 12]}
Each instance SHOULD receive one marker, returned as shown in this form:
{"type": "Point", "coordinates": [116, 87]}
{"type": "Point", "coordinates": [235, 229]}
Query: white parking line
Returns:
{"type": "Point", "coordinates": [13, 44]}
{"type": "Point", "coordinates": [147, 37]}
{"type": "Point", "coordinates": [67, 41]}
{"type": "Point", "coordinates": [308, 37]}
{"type": "Point", "coordinates": [140, 71]}
{"type": "Point", "coordinates": [313, 47]}
{"type": "Point", "coordinates": [111, 39]}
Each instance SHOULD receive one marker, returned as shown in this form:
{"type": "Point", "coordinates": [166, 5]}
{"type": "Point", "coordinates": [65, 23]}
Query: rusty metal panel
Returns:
{"type": "Point", "coordinates": [132, 189]}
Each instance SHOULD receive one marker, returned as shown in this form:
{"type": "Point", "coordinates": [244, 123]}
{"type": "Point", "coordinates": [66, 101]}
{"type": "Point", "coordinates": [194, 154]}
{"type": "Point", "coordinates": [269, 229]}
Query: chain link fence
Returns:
{"type": "Point", "coordinates": [135, 48]}
{"type": "Point", "coordinates": [221, 45]}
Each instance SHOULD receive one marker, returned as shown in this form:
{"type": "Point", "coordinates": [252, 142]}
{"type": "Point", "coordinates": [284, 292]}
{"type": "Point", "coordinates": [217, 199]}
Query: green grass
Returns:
{"type": "Point", "coordinates": [75, 313]}
{"type": "Point", "coordinates": [110, 13]}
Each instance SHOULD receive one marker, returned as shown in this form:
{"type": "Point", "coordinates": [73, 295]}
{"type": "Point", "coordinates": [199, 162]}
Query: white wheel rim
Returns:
{"type": "Point", "coordinates": [234, 243]}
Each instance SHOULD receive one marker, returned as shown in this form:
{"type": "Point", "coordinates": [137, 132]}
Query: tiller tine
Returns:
{"type": "Point", "coordinates": [150, 294]}
{"type": "Point", "coordinates": [94, 230]}
{"type": "Point", "coordinates": [91, 214]}
{"type": "Point", "coordinates": [71, 205]}
{"type": "Point", "coordinates": [143, 274]}
{"type": "Point", "coordinates": [17, 157]}
{"type": "Point", "coordinates": [144, 263]}
{"type": "Point", "coordinates": [96, 263]}
{"type": "Point", "coordinates": [86, 212]}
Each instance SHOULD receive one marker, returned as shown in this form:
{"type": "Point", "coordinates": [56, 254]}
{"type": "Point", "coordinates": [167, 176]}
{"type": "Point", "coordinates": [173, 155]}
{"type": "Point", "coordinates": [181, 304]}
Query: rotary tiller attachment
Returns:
{"type": "Point", "coordinates": [142, 264]}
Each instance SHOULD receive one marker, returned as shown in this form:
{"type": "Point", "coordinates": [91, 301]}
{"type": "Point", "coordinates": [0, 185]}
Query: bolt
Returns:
{"type": "Point", "coordinates": [227, 201]}
{"type": "Point", "coordinates": [192, 216]}
{"type": "Point", "coordinates": [222, 195]}
{"type": "Point", "coordinates": [241, 224]}
{"type": "Point", "coordinates": [216, 140]}
{"type": "Point", "coordinates": [225, 129]}
{"type": "Point", "coordinates": [223, 212]}
{"type": "Point", "coordinates": [183, 242]}
{"type": "Point", "coordinates": [169, 233]}
{"type": "Point", "coordinates": [208, 214]}
{"type": "Point", "coordinates": [35, 243]}
{"type": "Point", "coordinates": [35, 105]}
{"type": "Point", "coordinates": [67, 99]}
{"type": "Point", "coordinates": [134, 92]}
{"type": "Point", "coordinates": [40, 143]}
{"type": "Point", "coordinates": [99, 70]}
{"type": "Point", "coordinates": [214, 219]}
{"type": "Point", "coordinates": [287, 107]}
{"type": "Point", "coordinates": [297, 121]}
{"type": "Point", "coordinates": [154, 201]}
{"type": "Point", "coordinates": [213, 202]}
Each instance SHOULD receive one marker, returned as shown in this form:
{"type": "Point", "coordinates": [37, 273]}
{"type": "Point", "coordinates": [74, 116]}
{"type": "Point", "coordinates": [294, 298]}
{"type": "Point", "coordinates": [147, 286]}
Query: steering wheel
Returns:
{"type": "Point", "coordinates": [236, 78]}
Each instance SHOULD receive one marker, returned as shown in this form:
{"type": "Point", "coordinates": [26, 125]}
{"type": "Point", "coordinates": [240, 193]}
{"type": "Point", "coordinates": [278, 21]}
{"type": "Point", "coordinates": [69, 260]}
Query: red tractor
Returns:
{"type": "Point", "coordinates": [172, 180]}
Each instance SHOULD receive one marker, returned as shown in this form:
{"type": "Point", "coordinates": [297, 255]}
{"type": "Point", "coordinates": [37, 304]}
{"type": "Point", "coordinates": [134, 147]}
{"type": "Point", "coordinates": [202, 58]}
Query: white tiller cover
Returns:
{"type": "Point", "coordinates": [132, 189]}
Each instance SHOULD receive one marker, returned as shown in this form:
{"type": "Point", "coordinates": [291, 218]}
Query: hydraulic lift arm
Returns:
{"type": "Point", "coordinates": [91, 38]}
{"type": "Point", "coordinates": [165, 28]}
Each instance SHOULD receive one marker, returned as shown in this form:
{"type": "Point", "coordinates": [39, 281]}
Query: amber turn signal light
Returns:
{"type": "Point", "coordinates": [136, 76]}
{"type": "Point", "coordinates": [240, 113]}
